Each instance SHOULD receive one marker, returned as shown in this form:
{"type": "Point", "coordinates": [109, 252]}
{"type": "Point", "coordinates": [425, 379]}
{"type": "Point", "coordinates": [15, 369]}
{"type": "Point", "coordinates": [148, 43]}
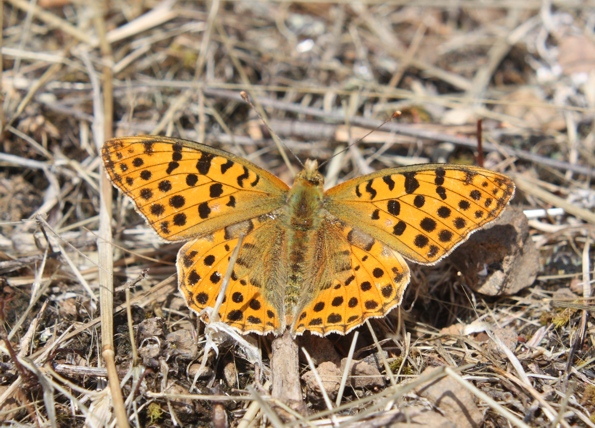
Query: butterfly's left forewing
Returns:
{"type": "Point", "coordinates": [422, 211]}
{"type": "Point", "coordinates": [186, 189]}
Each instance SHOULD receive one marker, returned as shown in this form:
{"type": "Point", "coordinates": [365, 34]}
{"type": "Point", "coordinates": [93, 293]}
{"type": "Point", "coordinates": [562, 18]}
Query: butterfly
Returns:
{"type": "Point", "coordinates": [310, 259]}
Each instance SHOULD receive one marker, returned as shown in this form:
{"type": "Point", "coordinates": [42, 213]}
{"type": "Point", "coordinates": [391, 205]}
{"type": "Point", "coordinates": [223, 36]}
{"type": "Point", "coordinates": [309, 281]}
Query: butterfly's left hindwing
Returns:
{"type": "Point", "coordinates": [250, 303]}
{"type": "Point", "coordinates": [423, 211]}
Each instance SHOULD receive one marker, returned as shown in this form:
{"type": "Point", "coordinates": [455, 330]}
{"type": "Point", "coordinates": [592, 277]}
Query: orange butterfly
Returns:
{"type": "Point", "coordinates": [316, 260]}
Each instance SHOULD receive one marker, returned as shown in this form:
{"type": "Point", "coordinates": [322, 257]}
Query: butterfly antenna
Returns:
{"type": "Point", "coordinates": [276, 139]}
{"type": "Point", "coordinates": [480, 143]}
{"type": "Point", "coordinates": [395, 115]}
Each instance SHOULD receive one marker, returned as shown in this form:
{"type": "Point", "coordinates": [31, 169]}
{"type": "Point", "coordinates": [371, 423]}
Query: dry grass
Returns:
{"type": "Point", "coordinates": [74, 73]}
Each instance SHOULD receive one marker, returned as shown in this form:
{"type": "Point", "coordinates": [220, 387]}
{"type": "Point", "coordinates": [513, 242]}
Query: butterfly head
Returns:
{"type": "Point", "coordinates": [311, 174]}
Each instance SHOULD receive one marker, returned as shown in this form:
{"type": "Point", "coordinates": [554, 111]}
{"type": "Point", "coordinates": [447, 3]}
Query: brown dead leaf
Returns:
{"type": "Point", "coordinates": [501, 259]}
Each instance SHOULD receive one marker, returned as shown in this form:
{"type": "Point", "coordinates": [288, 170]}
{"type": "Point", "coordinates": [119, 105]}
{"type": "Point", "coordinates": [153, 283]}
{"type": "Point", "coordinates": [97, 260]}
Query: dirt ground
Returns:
{"type": "Point", "coordinates": [94, 331]}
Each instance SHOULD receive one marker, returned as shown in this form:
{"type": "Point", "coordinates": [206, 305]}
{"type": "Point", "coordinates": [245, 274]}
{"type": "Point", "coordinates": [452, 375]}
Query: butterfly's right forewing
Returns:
{"type": "Point", "coordinates": [421, 211]}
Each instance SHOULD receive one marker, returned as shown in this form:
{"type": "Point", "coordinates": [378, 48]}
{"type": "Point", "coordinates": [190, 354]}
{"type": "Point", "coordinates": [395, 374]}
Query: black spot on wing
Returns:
{"type": "Point", "coordinates": [433, 251]}
{"type": "Point", "coordinates": [177, 201]}
{"type": "Point", "coordinates": [337, 301]}
{"type": "Point", "coordinates": [146, 194]}
{"type": "Point", "coordinates": [393, 207]}
{"type": "Point", "coordinates": [202, 298]}
{"type": "Point", "coordinates": [428, 224]}
{"type": "Point", "coordinates": [235, 315]}
{"type": "Point", "coordinates": [475, 195]}
{"type": "Point", "coordinates": [469, 177]}
{"type": "Point", "coordinates": [179, 219]}
{"type": "Point", "coordinates": [157, 209]}
{"type": "Point", "coordinates": [460, 223]}
{"type": "Point", "coordinates": [243, 177]}
{"type": "Point", "coordinates": [204, 163]}
{"type": "Point", "coordinates": [399, 228]}
{"type": "Point", "coordinates": [204, 210]}
{"type": "Point", "coordinates": [411, 183]}
{"type": "Point", "coordinates": [444, 212]}
{"type": "Point", "coordinates": [439, 178]}
{"type": "Point", "coordinates": [215, 190]}
{"type": "Point", "coordinates": [389, 182]}
{"type": "Point", "coordinates": [191, 179]}
{"type": "Point", "coordinates": [164, 186]}
{"type": "Point", "coordinates": [445, 235]}
{"type": "Point", "coordinates": [334, 318]}
{"type": "Point", "coordinates": [171, 166]}
{"type": "Point", "coordinates": [226, 166]}
{"type": "Point", "coordinates": [148, 148]}
{"type": "Point", "coordinates": [419, 201]}
{"type": "Point", "coordinates": [421, 241]}
{"type": "Point", "coordinates": [371, 190]}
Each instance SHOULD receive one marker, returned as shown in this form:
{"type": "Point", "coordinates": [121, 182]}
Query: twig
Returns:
{"type": "Point", "coordinates": [102, 128]}
{"type": "Point", "coordinates": [347, 368]}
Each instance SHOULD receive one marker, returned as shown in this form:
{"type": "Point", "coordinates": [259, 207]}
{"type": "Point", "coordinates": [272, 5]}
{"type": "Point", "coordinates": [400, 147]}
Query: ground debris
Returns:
{"type": "Point", "coordinates": [456, 404]}
{"type": "Point", "coordinates": [504, 311]}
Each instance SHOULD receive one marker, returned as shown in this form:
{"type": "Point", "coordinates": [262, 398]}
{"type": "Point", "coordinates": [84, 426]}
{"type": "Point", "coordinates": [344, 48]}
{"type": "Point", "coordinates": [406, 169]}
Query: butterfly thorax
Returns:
{"type": "Point", "coordinates": [304, 217]}
{"type": "Point", "coordinates": [304, 200]}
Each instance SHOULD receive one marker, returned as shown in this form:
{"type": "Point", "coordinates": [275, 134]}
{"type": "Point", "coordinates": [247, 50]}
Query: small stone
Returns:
{"type": "Point", "coordinates": [206, 373]}
{"type": "Point", "coordinates": [186, 409]}
{"type": "Point", "coordinates": [150, 352]}
{"type": "Point", "coordinates": [230, 373]}
{"type": "Point", "coordinates": [68, 308]}
{"type": "Point", "coordinates": [576, 286]}
{"type": "Point", "coordinates": [152, 327]}
{"type": "Point", "coordinates": [330, 375]}
{"type": "Point", "coordinates": [363, 374]}
{"type": "Point", "coordinates": [182, 344]}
